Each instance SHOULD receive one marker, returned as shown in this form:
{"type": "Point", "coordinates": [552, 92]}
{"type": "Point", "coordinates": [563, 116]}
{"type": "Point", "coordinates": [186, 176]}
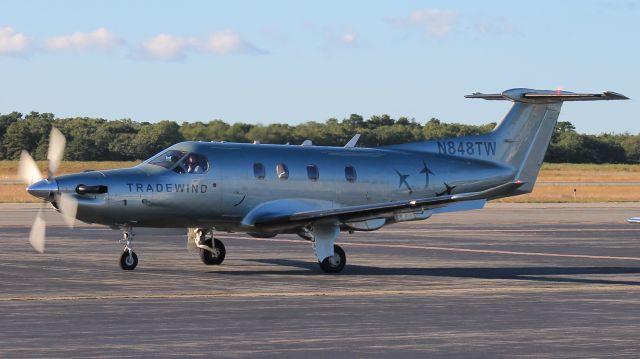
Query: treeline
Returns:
{"type": "Point", "coordinates": [96, 139]}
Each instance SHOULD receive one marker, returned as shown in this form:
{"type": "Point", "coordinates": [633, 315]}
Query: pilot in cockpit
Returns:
{"type": "Point", "coordinates": [194, 164]}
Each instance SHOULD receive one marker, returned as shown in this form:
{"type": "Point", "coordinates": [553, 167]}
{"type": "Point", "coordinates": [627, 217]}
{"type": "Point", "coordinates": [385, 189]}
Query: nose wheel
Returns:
{"type": "Point", "coordinates": [128, 260]}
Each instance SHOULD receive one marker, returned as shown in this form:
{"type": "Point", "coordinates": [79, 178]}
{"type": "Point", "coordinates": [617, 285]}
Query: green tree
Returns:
{"type": "Point", "coordinates": [6, 121]}
{"type": "Point", "coordinates": [277, 133]}
{"type": "Point", "coordinates": [114, 140]}
{"type": "Point", "coordinates": [152, 138]}
{"type": "Point", "coordinates": [30, 134]}
{"type": "Point", "coordinates": [434, 129]}
{"type": "Point", "coordinates": [378, 121]}
{"type": "Point", "coordinates": [560, 128]}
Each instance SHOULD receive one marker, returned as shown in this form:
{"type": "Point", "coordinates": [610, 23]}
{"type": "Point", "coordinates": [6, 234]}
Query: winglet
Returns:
{"type": "Point", "coordinates": [353, 141]}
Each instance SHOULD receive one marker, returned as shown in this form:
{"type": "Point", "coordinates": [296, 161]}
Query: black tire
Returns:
{"type": "Point", "coordinates": [210, 258]}
{"type": "Point", "coordinates": [335, 263]}
{"type": "Point", "coordinates": [128, 263]}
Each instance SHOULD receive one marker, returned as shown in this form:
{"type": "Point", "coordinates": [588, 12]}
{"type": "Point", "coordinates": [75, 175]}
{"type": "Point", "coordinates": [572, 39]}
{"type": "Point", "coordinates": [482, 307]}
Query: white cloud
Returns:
{"type": "Point", "coordinates": [228, 42]}
{"type": "Point", "coordinates": [101, 39]}
{"type": "Point", "coordinates": [165, 47]}
{"type": "Point", "coordinates": [435, 22]}
{"type": "Point", "coordinates": [12, 42]}
{"type": "Point", "coordinates": [341, 38]}
{"type": "Point", "coordinates": [494, 28]}
{"type": "Point", "coordinates": [348, 38]}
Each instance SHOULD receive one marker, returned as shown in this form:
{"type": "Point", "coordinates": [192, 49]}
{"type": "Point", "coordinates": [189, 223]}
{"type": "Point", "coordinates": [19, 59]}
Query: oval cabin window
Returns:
{"type": "Point", "coordinates": [350, 174]}
{"type": "Point", "coordinates": [258, 171]}
{"type": "Point", "coordinates": [282, 171]}
{"type": "Point", "coordinates": [312, 172]}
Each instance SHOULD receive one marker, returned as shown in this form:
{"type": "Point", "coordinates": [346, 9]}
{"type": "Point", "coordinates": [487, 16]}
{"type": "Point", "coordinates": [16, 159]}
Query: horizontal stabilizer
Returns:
{"type": "Point", "coordinates": [547, 96]}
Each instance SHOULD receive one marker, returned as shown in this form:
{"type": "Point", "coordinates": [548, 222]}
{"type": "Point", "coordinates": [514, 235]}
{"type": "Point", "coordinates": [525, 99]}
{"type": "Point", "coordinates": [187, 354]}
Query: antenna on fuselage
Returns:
{"type": "Point", "coordinates": [306, 143]}
{"type": "Point", "coordinates": [353, 141]}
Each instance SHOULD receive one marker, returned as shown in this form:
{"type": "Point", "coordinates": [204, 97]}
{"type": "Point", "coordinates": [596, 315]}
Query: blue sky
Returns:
{"type": "Point", "coordinates": [293, 61]}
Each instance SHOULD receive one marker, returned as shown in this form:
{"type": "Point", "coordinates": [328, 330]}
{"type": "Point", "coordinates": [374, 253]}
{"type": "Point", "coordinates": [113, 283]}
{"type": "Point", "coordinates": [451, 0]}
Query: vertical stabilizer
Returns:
{"type": "Point", "coordinates": [525, 132]}
{"type": "Point", "coordinates": [521, 139]}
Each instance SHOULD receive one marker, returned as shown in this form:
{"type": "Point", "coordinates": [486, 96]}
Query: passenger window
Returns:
{"type": "Point", "coordinates": [258, 171]}
{"type": "Point", "coordinates": [312, 172]}
{"type": "Point", "coordinates": [282, 171]}
{"type": "Point", "coordinates": [193, 164]}
{"type": "Point", "coordinates": [350, 174]}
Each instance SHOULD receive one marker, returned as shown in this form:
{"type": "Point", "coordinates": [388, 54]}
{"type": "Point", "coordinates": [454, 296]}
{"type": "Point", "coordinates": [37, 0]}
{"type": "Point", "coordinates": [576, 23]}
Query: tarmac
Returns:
{"type": "Point", "coordinates": [511, 280]}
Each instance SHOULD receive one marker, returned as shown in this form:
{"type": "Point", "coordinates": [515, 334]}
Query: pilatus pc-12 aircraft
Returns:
{"type": "Point", "coordinates": [313, 191]}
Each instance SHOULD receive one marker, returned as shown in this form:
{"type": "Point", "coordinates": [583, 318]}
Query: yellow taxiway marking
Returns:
{"type": "Point", "coordinates": [511, 230]}
{"type": "Point", "coordinates": [493, 251]}
{"type": "Point", "coordinates": [493, 290]}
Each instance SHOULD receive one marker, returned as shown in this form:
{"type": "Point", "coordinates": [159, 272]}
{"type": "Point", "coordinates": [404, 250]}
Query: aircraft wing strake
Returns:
{"type": "Point", "coordinates": [385, 209]}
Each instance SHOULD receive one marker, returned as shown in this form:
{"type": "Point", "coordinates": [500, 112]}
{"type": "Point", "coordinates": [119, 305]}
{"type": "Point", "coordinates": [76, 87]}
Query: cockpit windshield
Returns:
{"type": "Point", "coordinates": [168, 159]}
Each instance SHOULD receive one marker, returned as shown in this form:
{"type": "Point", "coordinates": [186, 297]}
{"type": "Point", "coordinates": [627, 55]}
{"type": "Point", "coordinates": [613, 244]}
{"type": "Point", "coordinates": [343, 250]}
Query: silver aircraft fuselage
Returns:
{"type": "Point", "coordinates": [152, 196]}
{"type": "Point", "coordinates": [313, 191]}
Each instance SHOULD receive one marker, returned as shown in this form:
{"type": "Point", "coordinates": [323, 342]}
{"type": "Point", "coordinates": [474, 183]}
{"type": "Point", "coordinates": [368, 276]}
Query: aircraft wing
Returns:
{"type": "Point", "coordinates": [281, 216]}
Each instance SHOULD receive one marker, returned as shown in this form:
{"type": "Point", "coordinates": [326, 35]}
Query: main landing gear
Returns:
{"type": "Point", "coordinates": [212, 251]}
{"type": "Point", "coordinates": [334, 263]}
{"type": "Point", "coordinates": [128, 259]}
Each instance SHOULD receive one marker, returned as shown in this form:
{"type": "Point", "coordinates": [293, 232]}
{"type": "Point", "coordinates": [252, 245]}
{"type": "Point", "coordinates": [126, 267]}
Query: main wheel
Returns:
{"type": "Point", "coordinates": [335, 263]}
{"type": "Point", "coordinates": [217, 256]}
{"type": "Point", "coordinates": [128, 262]}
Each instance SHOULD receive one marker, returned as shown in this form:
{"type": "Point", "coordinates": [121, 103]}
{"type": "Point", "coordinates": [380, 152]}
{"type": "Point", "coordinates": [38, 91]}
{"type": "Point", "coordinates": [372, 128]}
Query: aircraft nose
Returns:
{"type": "Point", "coordinates": [43, 188]}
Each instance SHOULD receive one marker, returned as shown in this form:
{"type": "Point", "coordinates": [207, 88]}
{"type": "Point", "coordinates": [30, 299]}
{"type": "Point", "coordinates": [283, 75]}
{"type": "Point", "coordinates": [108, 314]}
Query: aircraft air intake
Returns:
{"type": "Point", "coordinates": [84, 189]}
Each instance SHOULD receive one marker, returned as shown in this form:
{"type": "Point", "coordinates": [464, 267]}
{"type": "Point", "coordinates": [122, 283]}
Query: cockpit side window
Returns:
{"type": "Point", "coordinates": [193, 163]}
{"type": "Point", "coordinates": [168, 159]}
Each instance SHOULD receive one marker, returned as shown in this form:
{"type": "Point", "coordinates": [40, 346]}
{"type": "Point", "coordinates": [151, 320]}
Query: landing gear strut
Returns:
{"type": "Point", "coordinates": [212, 251]}
{"type": "Point", "coordinates": [128, 259]}
{"type": "Point", "coordinates": [331, 257]}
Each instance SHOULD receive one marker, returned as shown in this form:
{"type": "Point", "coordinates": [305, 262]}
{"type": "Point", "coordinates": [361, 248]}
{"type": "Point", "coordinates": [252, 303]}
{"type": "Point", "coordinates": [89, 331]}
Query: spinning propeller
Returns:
{"type": "Point", "coordinates": [47, 188]}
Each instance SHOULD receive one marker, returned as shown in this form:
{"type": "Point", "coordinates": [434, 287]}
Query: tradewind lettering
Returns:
{"type": "Point", "coordinates": [469, 148]}
{"type": "Point", "coordinates": [168, 187]}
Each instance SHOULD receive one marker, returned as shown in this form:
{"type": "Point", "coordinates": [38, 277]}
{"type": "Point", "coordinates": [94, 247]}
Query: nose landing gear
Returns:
{"type": "Point", "coordinates": [128, 259]}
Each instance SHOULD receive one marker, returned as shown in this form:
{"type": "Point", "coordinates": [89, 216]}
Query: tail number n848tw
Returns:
{"type": "Point", "coordinates": [469, 148]}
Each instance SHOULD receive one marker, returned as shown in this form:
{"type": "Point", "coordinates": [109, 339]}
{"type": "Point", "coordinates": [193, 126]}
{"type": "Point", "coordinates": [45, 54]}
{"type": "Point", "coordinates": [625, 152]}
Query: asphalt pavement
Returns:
{"type": "Point", "coordinates": [511, 280]}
